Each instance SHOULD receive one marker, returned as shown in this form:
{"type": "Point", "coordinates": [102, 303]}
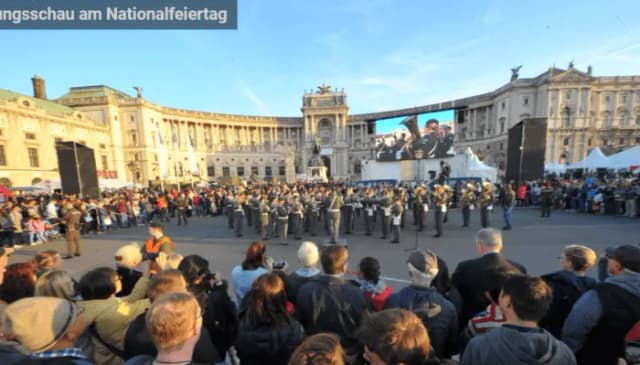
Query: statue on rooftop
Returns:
{"type": "Point", "coordinates": [514, 73]}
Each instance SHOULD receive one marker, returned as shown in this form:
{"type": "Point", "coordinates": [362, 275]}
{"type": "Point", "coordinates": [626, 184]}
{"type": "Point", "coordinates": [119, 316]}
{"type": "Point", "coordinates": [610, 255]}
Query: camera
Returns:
{"type": "Point", "coordinates": [279, 265]}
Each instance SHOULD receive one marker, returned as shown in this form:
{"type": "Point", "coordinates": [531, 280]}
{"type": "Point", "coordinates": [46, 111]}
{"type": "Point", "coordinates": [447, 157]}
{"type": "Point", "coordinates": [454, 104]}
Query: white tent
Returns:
{"type": "Point", "coordinates": [48, 185]}
{"type": "Point", "coordinates": [626, 159]}
{"type": "Point", "coordinates": [114, 184]}
{"type": "Point", "coordinates": [595, 160]}
{"type": "Point", "coordinates": [555, 167]}
{"type": "Point", "coordinates": [468, 165]}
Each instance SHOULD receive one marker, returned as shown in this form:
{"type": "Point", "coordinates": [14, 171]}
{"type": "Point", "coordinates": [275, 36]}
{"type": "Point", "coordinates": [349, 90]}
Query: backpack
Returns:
{"type": "Point", "coordinates": [565, 296]}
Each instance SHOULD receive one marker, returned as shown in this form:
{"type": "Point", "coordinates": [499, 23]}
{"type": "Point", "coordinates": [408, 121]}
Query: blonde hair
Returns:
{"type": "Point", "coordinates": [166, 281]}
{"type": "Point", "coordinates": [173, 261]}
{"type": "Point", "coordinates": [319, 349]}
{"type": "Point", "coordinates": [582, 258]}
{"type": "Point", "coordinates": [172, 318]}
{"type": "Point", "coordinates": [129, 255]}
{"type": "Point", "coordinates": [57, 284]}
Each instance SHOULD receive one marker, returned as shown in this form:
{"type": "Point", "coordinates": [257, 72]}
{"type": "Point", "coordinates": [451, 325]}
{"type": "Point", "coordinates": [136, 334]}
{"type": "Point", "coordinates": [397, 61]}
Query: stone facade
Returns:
{"type": "Point", "coordinates": [582, 111]}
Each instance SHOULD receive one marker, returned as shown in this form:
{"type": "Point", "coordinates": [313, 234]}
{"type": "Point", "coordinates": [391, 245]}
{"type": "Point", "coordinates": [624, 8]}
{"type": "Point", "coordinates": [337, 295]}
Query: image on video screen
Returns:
{"type": "Point", "coordinates": [426, 135]}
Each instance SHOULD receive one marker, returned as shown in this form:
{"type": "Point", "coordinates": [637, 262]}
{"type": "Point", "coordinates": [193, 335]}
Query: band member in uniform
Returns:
{"type": "Point", "coordinates": [238, 214]}
{"type": "Point", "coordinates": [369, 204]}
{"type": "Point", "coordinates": [255, 211]}
{"type": "Point", "coordinates": [396, 218]}
{"type": "Point", "coordinates": [486, 204]}
{"type": "Point", "coordinates": [335, 205]}
{"type": "Point", "coordinates": [421, 206]}
{"type": "Point", "coordinates": [246, 207]}
{"type": "Point", "coordinates": [273, 216]}
{"type": "Point", "coordinates": [264, 217]}
{"type": "Point", "coordinates": [440, 207]}
{"type": "Point", "coordinates": [313, 211]}
{"type": "Point", "coordinates": [282, 212]}
{"type": "Point", "coordinates": [385, 213]}
{"type": "Point", "coordinates": [296, 217]}
{"type": "Point", "coordinates": [467, 203]}
{"type": "Point", "coordinates": [324, 212]}
{"type": "Point", "coordinates": [348, 209]}
{"type": "Point", "coordinates": [230, 204]}
{"type": "Point", "coordinates": [508, 198]}
{"type": "Point", "coordinates": [546, 195]}
{"type": "Point", "coordinates": [448, 193]}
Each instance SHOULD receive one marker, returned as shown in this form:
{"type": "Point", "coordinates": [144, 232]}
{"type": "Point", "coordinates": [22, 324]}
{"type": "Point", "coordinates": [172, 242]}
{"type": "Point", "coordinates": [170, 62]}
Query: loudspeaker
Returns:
{"type": "Point", "coordinates": [77, 166]}
{"type": "Point", "coordinates": [527, 142]}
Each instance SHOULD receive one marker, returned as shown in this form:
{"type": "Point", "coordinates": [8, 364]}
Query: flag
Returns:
{"type": "Point", "coordinates": [193, 161]}
{"type": "Point", "coordinates": [163, 154]}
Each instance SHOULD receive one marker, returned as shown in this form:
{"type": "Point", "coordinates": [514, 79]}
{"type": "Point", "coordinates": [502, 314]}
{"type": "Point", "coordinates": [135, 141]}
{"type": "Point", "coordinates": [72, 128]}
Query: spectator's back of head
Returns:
{"type": "Point", "coordinates": [166, 281]}
{"type": "Point", "coordinates": [254, 257]}
{"type": "Point", "coordinates": [369, 269]}
{"type": "Point", "coordinates": [47, 260]}
{"type": "Point", "coordinates": [489, 240]}
{"type": "Point", "coordinates": [57, 284]}
{"type": "Point", "coordinates": [129, 255]}
{"type": "Point", "coordinates": [308, 254]}
{"type": "Point", "coordinates": [194, 268]}
{"type": "Point", "coordinates": [579, 258]}
{"type": "Point", "coordinates": [20, 281]}
{"type": "Point", "coordinates": [527, 298]}
{"type": "Point", "coordinates": [395, 336]}
{"type": "Point", "coordinates": [319, 349]}
{"type": "Point", "coordinates": [98, 283]}
{"type": "Point", "coordinates": [334, 260]}
{"type": "Point", "coordinates": [173, 319]}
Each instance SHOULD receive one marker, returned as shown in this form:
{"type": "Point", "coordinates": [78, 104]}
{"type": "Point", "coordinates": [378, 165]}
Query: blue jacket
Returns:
{"type": "Point", "coordinates": [587, 311]}
{"type": "Point", "coordinates": [437, 313]}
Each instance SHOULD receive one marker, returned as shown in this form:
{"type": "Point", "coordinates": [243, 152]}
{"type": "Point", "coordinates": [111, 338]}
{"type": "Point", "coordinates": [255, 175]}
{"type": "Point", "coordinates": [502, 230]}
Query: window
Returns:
{"type": "Point", "coordinates": [180, 169]}
{"type": "Point", "coordinates": [501, 146]}
{"type": "Point", "coordinates": [254, 170]}
{"type": "Point", "coordinates": [33, 157]}
{"type": "Point", "coordinates": [357, 168]}
{"type": "Point", "coordinates": [503, 105]}
{"type": "Point", "coordinates": [604, 142]}
{"type": "Point", "coordinates": [525, 101]}
{"type": "Point", "coordinates": [589, 141]}
{"type": "Point", "coordinates": [105, 166]}
{"type": "Point", "coordinates": [103, 146]}
{"type": "Point", "coordinates": [267, 171]}
{"type": "Point", "coordinates": [211, 170]}
{"type": "Point", "coordinates": [607, 98]}
{"type": "Point", "coordinates": [226, 171]}
{"type": "Point", "coordinates": [566, 141]}
{"type": "Point", "coordinates": [30, 136]}
{"type": "Point", "coordinates": [133, 119]}
{"type": "Point", "coordinates": [624, 98]}
{"type": "Point", "coordinates": [638, 120]}
{"type": "Point", "coordinates": [57, 139]}
{"type": "Point", "coordinates": [501, 125]}
{"type": "Point", "coordinates": [282, 170]}
{"type": "Point", "coordinates": [568, 95]}
{"type": "Point", "coordinates": [240, 171]}
{"type": "Point", "coordinates": [134, 139]}
{"type": "Point", "coordinates": [637, 141]}
{"type": "Point", "coordinates": [3, 158]}
{"type": "Point", "coordinates": [155, 157]}
{"type": "Point", "coordinates": [621, 141]}
{"type": "Point", "coordinates": [488, 147]}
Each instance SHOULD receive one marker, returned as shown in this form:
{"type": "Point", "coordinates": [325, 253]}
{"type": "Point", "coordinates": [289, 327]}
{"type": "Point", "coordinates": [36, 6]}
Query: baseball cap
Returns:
{"type": "Point", "coordinates": [627, 255]}
{"type": "Point", "coordinates": [423, 261]}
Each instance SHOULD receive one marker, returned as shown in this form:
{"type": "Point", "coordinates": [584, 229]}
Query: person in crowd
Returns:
{"type": "Point", "coordinates": [254, 265]}
{"type": "Point", "coordinates": [546, 196]}
{"type": "Point", "coordinates": [57, 284]}
{"type": "Point", "coordinates": [490, 318]}
{"type": "Point", "coordinates": [127, 258]}
{"type": "Point", "coordinates": [46, 261]}
{"type": "Point", "coordinates": [20, 282]}
{"type": "Point", "coordinates": [219, 313]}
{"type": "Point", "coordinates": [568, 285]}
{"type": "Point", "coordinates": [6, 229]}
{"type": "Point", "coordinates": [329, 303]}
{"type": "Point", "coordinates": [376, 290]}
{"type": "Point", "coordinates": [171, 261]}
{"type": "Point", "coordinates": [396, 336]}
{"type": "Point", "coordinates": [59, 324]}
{"type": "Point", "coordinates": [16, 217]}
{"type": "Point", "coordinates": [471, 276]}
{"type": "Point", "coordinates": [598, 322]}
{"type": "Point", "coordinates": [437, 313]}
{"type": "Point", "coordinates": [156, 243]}
{"type": "Point", "coordinates": [5, 252]}
{"type": "Point", "coordinates": [442, 283]}
{"type": "Point", "coordinates": [319, 349]}
{"type": "Point", "coordinates": [138, 341]}
{"type": "Point", "coordinates": [268, 334]}
{"type": "Point", "coordinates": [175, 324]}
{"type": "Point", "coordinates": [524, 301]}
{"type": "Point", "coordinates": [72, 222]}
{"type": "Point", "coordinates": [108, 317]}
{"type": "Point", "coordinates": [508, 201]}
{"type": "Point", "coordinates": [308, 256]}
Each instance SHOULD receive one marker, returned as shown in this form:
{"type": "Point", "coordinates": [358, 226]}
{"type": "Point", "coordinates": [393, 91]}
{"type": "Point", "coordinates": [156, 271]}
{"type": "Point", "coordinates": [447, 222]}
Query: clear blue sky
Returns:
{"type": "Point", "coordinates": [385, 54]}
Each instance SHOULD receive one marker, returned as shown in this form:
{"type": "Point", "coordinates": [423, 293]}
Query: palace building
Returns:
{"type": "Point", "coordinates": [130, 134]}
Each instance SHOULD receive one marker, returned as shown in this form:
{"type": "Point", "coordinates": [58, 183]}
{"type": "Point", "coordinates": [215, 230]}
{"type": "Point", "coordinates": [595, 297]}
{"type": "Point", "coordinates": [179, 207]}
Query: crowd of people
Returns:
{"type": "Point", "coordinates": [156, 306]}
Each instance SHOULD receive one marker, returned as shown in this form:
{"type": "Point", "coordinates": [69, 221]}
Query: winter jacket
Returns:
{"type": "Point", "coordinates": [129, 278]}
{"type": "Point", "coordinates": [243, 279]}
{"type": "Point", "coordinates": [437, 313]}
{"type": "Point", "coordinates": [376, 293]}
{"type": "Point", "coordinates": [588, 316]}
{"type": "Point", "coordinates": [567, 288]}
{"type": "Point", "coordinates": [510, 345]}
{"type": "Point", "coordinates": [297, 279]}
{"type": "Point", "coordinates": [268, 345]}
{"type": "Point", "coordinates": [329, 303]}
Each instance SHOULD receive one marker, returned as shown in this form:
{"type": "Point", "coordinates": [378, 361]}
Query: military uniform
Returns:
{"type": "Point", "coordinates": [238, 214]}
{"type": "Point", "coordinates": [229, 211]}
{"type": "Point", "coordinates": [440, 208]}
{"type": "Point", "coordinates": [296, 218]}
{"type": "Point", "coordinates": [264, 218]}
{"type": "Point", "coordinates": [255, 212]}
{"type": "Point", "coordinates": [396, 218]}
{"type": "Point", "coordinates": [283, 222]}
{"type": "Point", "coordinates": [486, 205]}
{"type": "Point", "coordinates": [421, 207]}
{"type": "Point", "coordinates": [467, 203]}
{"type": "Point", "coordinates": [349, 215]}
{"type": "Point", "coordinates": [335, 205]}
{"type": "Point", "coordinates": [385, 215]}
{"type": "Point", "coordinates": [369, 204]}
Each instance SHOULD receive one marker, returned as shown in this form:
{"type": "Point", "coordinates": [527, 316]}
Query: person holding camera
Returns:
{"type": "Point", "coordinates": [254, 264]}
{"type": "Point", "coordinates": [156, 243]}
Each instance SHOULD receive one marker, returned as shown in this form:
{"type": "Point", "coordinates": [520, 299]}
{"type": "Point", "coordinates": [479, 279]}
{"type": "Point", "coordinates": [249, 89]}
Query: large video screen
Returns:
{"type": "Point", "coordinates": [426, 135]}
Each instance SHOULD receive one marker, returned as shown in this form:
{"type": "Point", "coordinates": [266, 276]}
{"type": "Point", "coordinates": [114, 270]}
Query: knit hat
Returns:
{"type": "Point", "coordinates": [308, 254]}
{"type": "Point", "coordinates": [423, 262]}
{"type": "Point", "coordinates": [39, 322]}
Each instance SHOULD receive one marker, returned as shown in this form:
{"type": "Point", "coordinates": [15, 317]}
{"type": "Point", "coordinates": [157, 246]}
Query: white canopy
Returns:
{"type": "Point", "coordinates": [468, 165]}
{"type": "Point", "coordinates": [114, 184]}
{"type": "Point", "coordinates": [595, 160]}
{"type": "Point", "coordinates": [48, 185]}
{"type": "Point", "coordinates": [626, 159]}
{"type": "Point", "coordinates": [555, 167]}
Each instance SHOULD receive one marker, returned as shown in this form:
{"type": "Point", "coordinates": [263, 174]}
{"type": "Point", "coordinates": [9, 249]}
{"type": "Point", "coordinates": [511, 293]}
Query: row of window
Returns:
{"type": "Point", "coordinates": [240, 171]}
{"type": "Point", "coordinates": [34, 161]}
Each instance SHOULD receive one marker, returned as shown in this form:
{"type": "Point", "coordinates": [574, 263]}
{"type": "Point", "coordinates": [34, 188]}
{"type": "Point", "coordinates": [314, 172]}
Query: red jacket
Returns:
{"type": "Point", "coordinates": [378, 300]}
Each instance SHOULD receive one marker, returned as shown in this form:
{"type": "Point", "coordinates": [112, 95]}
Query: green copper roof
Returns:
{"type": "Point", "coordinates": [94, 91]}
{"type": "Point", "coordinates": [47, 105]}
